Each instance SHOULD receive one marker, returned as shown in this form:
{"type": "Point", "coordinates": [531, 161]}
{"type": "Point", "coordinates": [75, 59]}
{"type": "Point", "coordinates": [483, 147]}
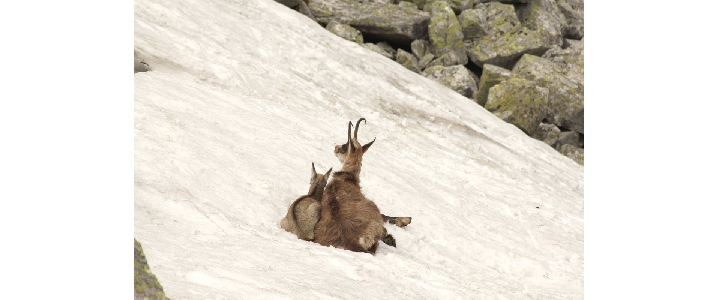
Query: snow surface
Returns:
{"type": "Point", "coordinates": [245, 95]}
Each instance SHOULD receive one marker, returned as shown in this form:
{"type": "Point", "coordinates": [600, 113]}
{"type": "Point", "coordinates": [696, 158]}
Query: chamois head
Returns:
{"type": "Point", "coordinates": [317, 183]}
{"type": "Point", "coordinates": [350, 153]}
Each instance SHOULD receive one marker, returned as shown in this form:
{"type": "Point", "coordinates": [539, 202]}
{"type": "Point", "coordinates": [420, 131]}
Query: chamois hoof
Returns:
{"type": "Point", "coordinates": [389, 240]}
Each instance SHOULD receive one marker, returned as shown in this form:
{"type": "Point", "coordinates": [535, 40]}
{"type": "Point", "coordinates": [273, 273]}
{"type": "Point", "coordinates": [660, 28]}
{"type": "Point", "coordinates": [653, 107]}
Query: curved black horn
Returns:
{"type": "Point", "coordinates": [356, 130]}
{"type": "Point", "coordinates": [349, 133]}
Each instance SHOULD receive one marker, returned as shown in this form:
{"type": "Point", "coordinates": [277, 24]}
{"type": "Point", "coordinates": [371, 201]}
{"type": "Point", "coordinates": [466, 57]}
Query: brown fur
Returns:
{"type": "Point", "coordinates": [348, 219]}
{"type": "Point", "coordinates": [304, 212]}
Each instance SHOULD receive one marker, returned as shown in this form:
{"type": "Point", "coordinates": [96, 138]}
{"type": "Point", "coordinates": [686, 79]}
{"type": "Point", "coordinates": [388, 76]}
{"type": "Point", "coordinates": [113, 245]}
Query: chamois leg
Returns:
{"type": "Point", "coordinates": [398, 221]}
{"type": "Point", "coordinates": [388, 239]}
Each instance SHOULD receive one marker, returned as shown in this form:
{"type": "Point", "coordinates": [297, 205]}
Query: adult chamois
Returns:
{"type": "Point", "coordinates": [303, 213]}
{"type": "Point", "coordinates": [348, 219]}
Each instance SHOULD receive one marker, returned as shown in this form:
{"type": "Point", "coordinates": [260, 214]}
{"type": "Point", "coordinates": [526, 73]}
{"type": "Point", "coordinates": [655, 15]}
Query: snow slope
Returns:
{"type": "Point", "coordinates": [245, 95]}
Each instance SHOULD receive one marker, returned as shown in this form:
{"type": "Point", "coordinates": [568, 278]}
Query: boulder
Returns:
{"type": "Point", "coordinates": [345, 31]}
{"type": "Point", "coordinates": [387, 22]}
{"type": "Point", "coordinates": [456, 78]}
{"type": "Point", "coordinates": [565, 105]}
{"type": "Point", "coordinates": [502, 1]}
{"type": "Point", "coordinates": [491, 76]}
{"type": "Point", "coordinates": [420, 47]}
{"type": "Point", "coordinates": [446, 60]}
{"type": "Point", "coordinates": [547, 133]}
{"type": "Point", "coordinates": [299, 6]}
{"type": "Point", "coordinates": [569, 61]}
{"type": "Point", "coordinates": [407, 4]}
{"type": "Point", "coordinates": [425, 61]}
{"type": "Point", "coordinates": [379, 49]}
{"type": "Point", "coordinates": [387, 48]}
{"type": "Point", "coordinates": [456, 5]}
{"type": "Point", "coordinates": [572, 152]}
{"type": "Point", "coordinates": [445, 33]}
{"type": "Point", "coordinates": [520, 102]}
{"type": "Point", "coordinates": [566, 138]}
{"type": "Point", "coordinates": [489, 19]}
{"type": "Point", "coordinates": [570, 43]}
{"type": "Point", "coordinates": [497, 37]}
{"type": "Point", "coordinates": [146, 284]}
{"type": "Point", "coordinates": [545, 17]}
{"type": "Point", "coordinates": [407, 60]}
{"type": "Point", "coordinates": [573, 12]}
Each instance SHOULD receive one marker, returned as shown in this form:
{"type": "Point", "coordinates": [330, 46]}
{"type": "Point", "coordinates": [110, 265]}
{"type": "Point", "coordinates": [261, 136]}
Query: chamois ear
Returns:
{"type": "Point", "coordinates": [366, 147]}
{"type": "Point", "coordinates": [328, 172]}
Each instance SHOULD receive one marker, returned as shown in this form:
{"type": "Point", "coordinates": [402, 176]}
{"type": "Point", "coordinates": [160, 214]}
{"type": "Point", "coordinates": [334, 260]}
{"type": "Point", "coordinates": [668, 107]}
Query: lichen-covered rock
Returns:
{"type": "Point", "coordinates": [566, 138]}
{"type": "Point", "coordinates": [446, 60]}
{"type": "Point", "coordinates": [547, 133]}
{"type": "Point", "coordinates": [502, 1]}
{"type": "Point", "coordinates": [569, 61]}
{"type": "Point", "coordinates": [445, 35]}
{"type": "Point", "coordinates": [388, 49]}
{"type": "Point", "coordinates": [388, 22]}
{"type": "Point", "coordinates": [545, 17]}
{"type": "Point", "coordinates": [504, 50]}
{"type": "Point", "coordinates": [425, 61]}
{"type": "Point", "coordinates": [345, 31]}
{"type": "Point", "coordinates": [378, 49]}
{"type": "Point", "coordinates": [570, 43]}
{"type": "Point", "coordinates": [499, 39]}
{"type": "Point", "coordinates": [573, 12]}
{"type": "Point", "coordinates": [407, 60]}
{"type": "Point", "coordinates": [489, 19]}
{"type": "Point", "coordinates": [420, 47]}
{"type": "Point", "coordinates": [519, 102]}
{"type": "Point", "coordinates": [491, 76]}
{"type": "Point", "coordinates": [456, 78]}
{"type": "Point", "coordinates": [407, 4]}
{"type": "Point", "coordinates": [565, 105]}
{"type": "Point", "coordinates": [456, 5]}
{"type": "Point", "coordinates": [147, 287]}
{"type": "Point", "coordinates": [572, 152]}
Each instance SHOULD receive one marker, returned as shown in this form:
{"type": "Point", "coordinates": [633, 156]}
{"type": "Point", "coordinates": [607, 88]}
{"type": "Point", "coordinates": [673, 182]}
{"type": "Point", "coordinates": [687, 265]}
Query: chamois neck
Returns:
{"type": "Point", "coordinates": [354, 169]}
{"type": "Point", "coordinates": [315, 191]}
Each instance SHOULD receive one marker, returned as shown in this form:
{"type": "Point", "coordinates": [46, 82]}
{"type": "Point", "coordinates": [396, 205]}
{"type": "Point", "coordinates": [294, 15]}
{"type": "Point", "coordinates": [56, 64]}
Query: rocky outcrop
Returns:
{"type": "Point", "coordinates": [388, 22]}
{"type": "Point", "coordinates": [455, 77]}
{"type": "Point", "coordinates": [520, 102]}
{"type": "Point", "coordinates": [565, 108]}
{"type": "Point", "coordinates": [345, 31]}
{"type": "Point", "coordinates": [147, 287]}
{"type": "Point", "coordinates": [445, 35]}
{"type": "Point", "coordinates": [491, 76]}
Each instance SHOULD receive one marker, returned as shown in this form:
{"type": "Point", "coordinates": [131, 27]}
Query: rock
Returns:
{"type": "Point", "coordinates": [456, 5]}
{"type": "Point", "coordinates": [445, 33]}
{"type": "Point", "coordinates": [289, 3]}
{"type": "Point", "coordinates": [407, 60]}
{"type": "Point", "coordinates": [566, 138]}
{"type": "Point", "coordinates": [565, 105]}
{"type": "Point", "coordinates": [345, 31]}
{"type": "Point", "coordinates": [299, 6]}
{"type": "Point", "coordinates": [547, 133]}
{"type": "Point", "coordinates": [407, 4]}
{"type": "Point", "coordinates": [503, 1]}
{"type": "Point", "coordinates": [572, 152]}
{"type": "Point", "coordinates": [456, 78]}
{"type": "Point", "coordinates": [446, 60]}
{"type": "Point", "coordinates": [387, 22]}
{"type": "Point", "coordinates": [499, 39]}
{"type": "Point", "coordinates": [146, 284]}
{"type": "Point", "coordinates": [491, 76]}
{"type": "Point", "coordinates": [573, 12]}
{"type": "Point", "coordinates": [569, 43]}
{"type": "Point", "coordinates": [378, 49]}
{"type": "Point", "coordinates": [489, 19]}
{"type": "Point", "coordinates": [420, 47]}
{"type": "Point", "coordinates": [504, 50]}
{"type": "Point", "coordinates": [545, 17]}
{"type": "Point", "coordinates": [424, 61]}
{"type": "Point", "coordinates": [569, 61]}
{"type": "Point", "coordinates": [140, 64]}
{"type": "Point", "coordinates": [519, 102]}
{"type": "Point", "coordinates": [387, 48]}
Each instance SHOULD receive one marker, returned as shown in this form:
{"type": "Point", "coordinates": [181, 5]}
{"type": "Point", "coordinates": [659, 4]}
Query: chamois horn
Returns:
{"type": "Point", "coordinates": [356, 130]}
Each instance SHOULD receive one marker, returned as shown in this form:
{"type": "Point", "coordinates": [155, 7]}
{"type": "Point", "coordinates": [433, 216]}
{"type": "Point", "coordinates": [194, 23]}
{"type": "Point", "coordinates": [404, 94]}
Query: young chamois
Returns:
{"type": "Point", "coordinates": [304, 212]}
{"type": "Point", "coordinates": [348, 219]}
